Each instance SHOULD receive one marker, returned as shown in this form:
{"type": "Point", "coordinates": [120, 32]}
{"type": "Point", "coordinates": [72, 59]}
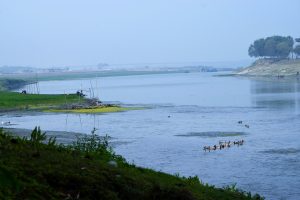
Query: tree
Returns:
{"type": "Point", "coordinates": [297, 50]}
{"type": "Point", "coordinates": [252, 51]}
{"type": "Point", "coordinates": [256, 49]}
{"type": "Point", "coordinates": [283, 50]}
{"type": "Point", "coordinates": [272, 47]}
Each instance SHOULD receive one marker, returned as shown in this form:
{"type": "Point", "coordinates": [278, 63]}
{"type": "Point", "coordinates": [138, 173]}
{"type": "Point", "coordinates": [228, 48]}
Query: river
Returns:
{"type": "Point", "coordinates": [187, 111]}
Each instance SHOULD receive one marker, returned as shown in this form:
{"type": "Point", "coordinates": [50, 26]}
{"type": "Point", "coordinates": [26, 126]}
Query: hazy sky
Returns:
{"type": "Point", "coordinates": [79, 32]}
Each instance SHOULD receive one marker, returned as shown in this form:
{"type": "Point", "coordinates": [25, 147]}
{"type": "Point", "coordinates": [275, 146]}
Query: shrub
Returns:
{"type": "Point", "coordinates": [91, 144]}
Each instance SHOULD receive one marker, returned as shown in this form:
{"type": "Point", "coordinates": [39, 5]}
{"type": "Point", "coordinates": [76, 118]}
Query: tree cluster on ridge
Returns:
{"type": "Point", "coordinates": [275, 47]}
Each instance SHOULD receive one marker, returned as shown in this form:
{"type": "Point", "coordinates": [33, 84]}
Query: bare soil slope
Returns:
{"type": "Point", "coordinates": [272, 67]}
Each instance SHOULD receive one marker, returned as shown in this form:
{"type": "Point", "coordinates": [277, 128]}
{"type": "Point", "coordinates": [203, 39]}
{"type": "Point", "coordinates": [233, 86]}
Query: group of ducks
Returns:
{"type": "Point", "coordinates": [222, 145]}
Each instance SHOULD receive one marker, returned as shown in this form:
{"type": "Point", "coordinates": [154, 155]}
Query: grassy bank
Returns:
{"type": "Point", "coordinates": [47, 102]}
{"type": "Point", "coordinates": [52, 103]}
{"type": "Point", "coordinates": [16, 101]}
{"type": "Point", "coordinates": [88, 169]}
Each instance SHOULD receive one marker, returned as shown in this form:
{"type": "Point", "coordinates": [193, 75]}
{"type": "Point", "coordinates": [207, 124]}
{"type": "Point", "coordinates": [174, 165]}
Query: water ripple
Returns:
{"type": "Point", "coordinates": [212, 134]}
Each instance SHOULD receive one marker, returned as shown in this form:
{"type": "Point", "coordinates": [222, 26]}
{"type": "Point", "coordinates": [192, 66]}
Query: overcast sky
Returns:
{"type": "Point", "coordinates": [79, 32]}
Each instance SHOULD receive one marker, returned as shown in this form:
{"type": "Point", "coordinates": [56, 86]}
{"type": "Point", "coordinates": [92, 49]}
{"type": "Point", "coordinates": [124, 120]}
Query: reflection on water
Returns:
{"type": "Point", "coordinates": [276, 94]}
{"type": "Point", "coordinates": [282, 151]}
{"type": "Point", "coordinates": [275, 86]}
{"type": "Point", "coordinates": [213, 134]}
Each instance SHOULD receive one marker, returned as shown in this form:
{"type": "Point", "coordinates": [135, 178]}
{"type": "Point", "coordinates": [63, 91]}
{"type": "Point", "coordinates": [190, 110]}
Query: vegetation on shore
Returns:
{"type": "Point", "coordinates": [49, 102]}
{"type": "Point", "coordinates": [277, 56]}
{"type": "Point", "coordinates": [38, 168]}
{"type": "Point", "coordinates": [275, 47]}
{"type": "Point", "coordinates": [17, 101]}
{"type": "Point", "coordinates": [54, 103]}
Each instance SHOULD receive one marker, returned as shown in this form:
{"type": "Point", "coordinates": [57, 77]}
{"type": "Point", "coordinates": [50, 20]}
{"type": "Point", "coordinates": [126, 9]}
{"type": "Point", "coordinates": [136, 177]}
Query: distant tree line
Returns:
{"type": "Point", "coordinates": [275, 47]}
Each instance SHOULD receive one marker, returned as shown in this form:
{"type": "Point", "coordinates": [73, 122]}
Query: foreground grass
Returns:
{"type": "Point", "coordinates": [14, 100]}
{"type": "Point", "coordinates": [88, 169]}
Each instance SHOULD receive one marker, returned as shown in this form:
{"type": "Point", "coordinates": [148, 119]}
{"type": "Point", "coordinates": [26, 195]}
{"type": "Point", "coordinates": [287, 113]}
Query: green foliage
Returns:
{"type": "Point", "coordinates": [231, 188]}
{"type": "Point", "coordinates": [8, 181]}
{"type": "Point", "coordinates": [52, 141]}
{"type": "Point", "coordinates": [37, 136]}
{"type": "Point", "coordinates": [297, 50]}
{"type": "Point", "coordinates": [297, 47]}
{"type": "Point", "coordinates": [91, 144]}
{"type": "Point", "coordinates": [274, 47]}
{"type": "Point", "coordinates": [257, 48]}
{"type": "Point", "coordinates": [66, 172]}
{"type": "Point", "coordinates": [193, 180]}
{"type": "Point", "coordinates": [234, 189]}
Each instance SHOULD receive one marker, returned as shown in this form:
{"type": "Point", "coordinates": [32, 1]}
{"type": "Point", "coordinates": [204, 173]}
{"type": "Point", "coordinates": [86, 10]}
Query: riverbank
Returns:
{"type": "Point", "coordinates": [272, 68]}
{"type": "Point", "coordinates": [73, 103]}
{"type": "Point", "coordinates": [10, 101]}
{"type": "Point", "coordinates": [88, 169]}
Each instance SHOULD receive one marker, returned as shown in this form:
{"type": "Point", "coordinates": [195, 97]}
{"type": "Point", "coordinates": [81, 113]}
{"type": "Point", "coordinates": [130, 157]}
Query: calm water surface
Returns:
{"type": "Point", "coordinates": [203, 110]}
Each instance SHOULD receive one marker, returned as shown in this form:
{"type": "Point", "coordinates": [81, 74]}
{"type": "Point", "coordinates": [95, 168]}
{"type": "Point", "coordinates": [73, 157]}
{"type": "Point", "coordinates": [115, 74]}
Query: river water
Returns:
{"type": "Point", "coordinates": [187, 111]}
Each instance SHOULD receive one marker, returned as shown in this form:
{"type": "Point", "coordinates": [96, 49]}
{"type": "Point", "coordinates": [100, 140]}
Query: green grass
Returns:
{"type": "Point", "coordinates": [14, 100]}
{"type": "Point", "coordinates": [30, 169]}
{"type": "Point", "coordinates": [46, 102]}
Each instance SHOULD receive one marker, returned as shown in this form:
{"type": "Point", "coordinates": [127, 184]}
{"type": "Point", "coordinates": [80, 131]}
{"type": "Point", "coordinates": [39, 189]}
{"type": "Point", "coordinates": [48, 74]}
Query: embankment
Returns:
{"type": "Point", "coordinates": [272, 67]}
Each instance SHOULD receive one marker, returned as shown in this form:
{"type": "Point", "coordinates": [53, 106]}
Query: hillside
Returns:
{"type": "Point", "coordinates": [88, 169]}
{"type": "Point", "coordinates": [272, 67]}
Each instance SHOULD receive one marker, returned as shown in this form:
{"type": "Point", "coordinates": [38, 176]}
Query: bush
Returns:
{"type": "Point", "coordinates": [91, 144]}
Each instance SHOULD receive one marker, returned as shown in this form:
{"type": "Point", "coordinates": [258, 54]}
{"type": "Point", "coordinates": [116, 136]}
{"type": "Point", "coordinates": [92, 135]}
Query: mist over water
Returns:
{"type": "Point", "coordinates": [185, 112]}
